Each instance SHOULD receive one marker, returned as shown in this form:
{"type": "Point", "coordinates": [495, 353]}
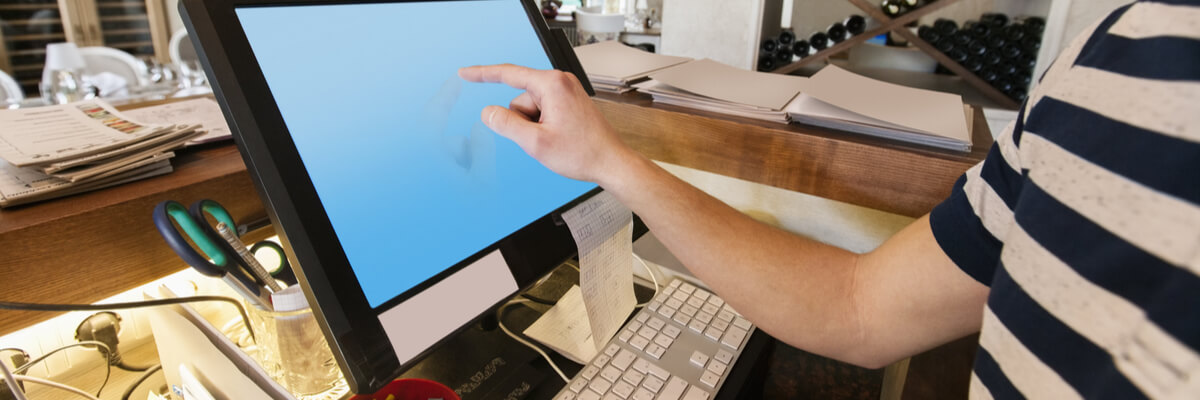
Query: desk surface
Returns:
{"type": "Point", "coordinates": [91, 246]}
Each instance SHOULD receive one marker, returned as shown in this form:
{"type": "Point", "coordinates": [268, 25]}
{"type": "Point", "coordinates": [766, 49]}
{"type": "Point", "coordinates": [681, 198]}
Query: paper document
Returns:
{"type": "Point", "coordinates": [618, 62]}
{"type": "Point", "coordinates": [44, 135]}
{"type": "Point", "coordinates": [723, 82]}
{"type": "Point", "coordinates": [922, 110]}
{"type": "Point", "coordinates": [205, 112]}
{"type": "Point", "coordinates": [603, 232]}
{"type": "Point", "coordinates": [565, 328]}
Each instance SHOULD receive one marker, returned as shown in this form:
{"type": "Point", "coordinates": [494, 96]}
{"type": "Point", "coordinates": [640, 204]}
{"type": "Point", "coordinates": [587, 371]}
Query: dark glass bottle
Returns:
{"type": "Point", "coordinates": [766, 64]}
{"type": "Point", "coordinates": [800, 48]}
{"type": "Point", "coordinates": [1014, 33]}
{"type": "Point", "coordinates": [819, 41]}
{"type": "Point", "coordinates": [981, 29]}
{"type": "Point", "coordinates": [786, 38]}
{"type": "Point", "coordinates": [945, 26]}
{"type": "Point", "coordinates": [988, 74]}
{"type": "Point", "coordinates": [1003, 85]}
{"type": "Point", "coordinates": [911, 4]}
{"type": "Point", "coordinates": [958, 55]}
{"type": "Point", "coordinates": [836, 32]}
{"type": "Point", "coordinates": [1006, 69]}
{"type": "Point", "coordinates": [995, 20]}
{"type": "Point", "coordinates": [1011, 52]}
{"type": "Point", "coordinates": [783, 56]}
{"type": "Point", "coordinates": [856, 24]}
{"type": "Point", "coordinates": [1031, 44]}
{"type": "Point", "coordinates": [996, 42]}
{"type": "Point", "coordinates": [992, 58]}
{"type": "Point", "coordinates": [973, 64]}
{"type": "Point", "coordinates": [962, 39]}
{"type": "Point", "coordinates": [769, 46]}
{"type": "Point", "coordinates": [977, 48]}
{"type": "Point", "coordinates": [893, 8]}
{"type": "Point", "coordinates": [944, 45]}
{"type": "Point", "coordinates": [928, 34]}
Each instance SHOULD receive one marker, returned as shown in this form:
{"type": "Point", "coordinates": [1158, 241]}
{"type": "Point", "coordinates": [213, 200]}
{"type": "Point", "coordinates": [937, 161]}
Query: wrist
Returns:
{"type": "Point", "coordinates": [623, 171]}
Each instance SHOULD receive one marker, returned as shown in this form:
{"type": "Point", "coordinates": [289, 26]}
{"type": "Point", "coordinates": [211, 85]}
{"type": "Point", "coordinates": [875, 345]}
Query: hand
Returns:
{"type": "Point", "coordinates": [554, 121]}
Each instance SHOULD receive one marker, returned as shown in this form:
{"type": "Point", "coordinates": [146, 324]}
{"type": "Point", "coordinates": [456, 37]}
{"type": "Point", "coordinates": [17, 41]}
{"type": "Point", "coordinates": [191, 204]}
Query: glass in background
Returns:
{"type": "Point", "coordinates": [28, 26]}
{"type": "Point", "coordinates": [62, 80]}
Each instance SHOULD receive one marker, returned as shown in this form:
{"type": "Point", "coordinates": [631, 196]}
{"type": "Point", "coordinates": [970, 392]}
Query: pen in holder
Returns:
{"type": "Point", "coordinates": [292, 349]}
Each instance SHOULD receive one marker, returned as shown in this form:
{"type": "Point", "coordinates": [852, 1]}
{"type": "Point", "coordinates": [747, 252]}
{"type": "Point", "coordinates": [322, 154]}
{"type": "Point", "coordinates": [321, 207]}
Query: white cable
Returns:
{"type": "Point", "coordinates": [56, 385]}
{"type": "Point", "coordinates": [499, 319]}
{"type": "Point", "coordinates": [11, 381]}
{"type": "Point", "coordinates": [652, 278]}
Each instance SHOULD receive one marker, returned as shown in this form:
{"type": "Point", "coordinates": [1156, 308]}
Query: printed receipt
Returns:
{"type": "Point", "coordinates": [603, 232]}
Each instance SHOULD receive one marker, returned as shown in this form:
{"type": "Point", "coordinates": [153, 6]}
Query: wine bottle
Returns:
{"type": "Point", "coordinates": [979, 29]}
{"type": "Point", "coordinates": [801, 48]}
{"type": "Point", "coordinates": [786, 38]}
{"type": "Point", "coordinates": [769, 46]}
{"type": "Point", "coordinates": [836, 32]}
{"type": "Point", "coordinates": [893, 8]}
{"type": "Point", "coordinates": [977, 48]}
{"type": "Point", "coordinates": [1014, 33]}
{"type": "Point", "coordinates": [945, 45]}
{"type": "Point", "coordinates": [911, 4]}
{"type": "Point", "coordinates": [1003, 85]}
{"type": "Point", "coordinates": [973, 64]}
{"type": "Point", "coordinates": [962, 39]}
{"type": "Point", "coordinates": [819, 41]}
{"type": "Point", "coordinates": [996, 42]}
{"type": "Point", "coordinates": [992, 58]}
{"type": "Point", "coordinates": [996, 20]}
{"type": "Point", "coordinates": [783, 56]}
{"type": "Point", "coordinates": [945, 26]}
{"type": "Point", "coordinates": [1011, 52]}
{"type": "Point", "coordinates": [1006, 69]}
{"type": "Point", "coordinates": [989, 75]}
{"type": "Point", "coordinates": [856, 24]}
{"type": "Point", "coordinates": [1031, 44]}
{"type": "Point", "coordinates": [766, 64]}
{"type": "Point", "coordinates": [928, 34]}
{"type": "Point", "coordinates": [958, 55]}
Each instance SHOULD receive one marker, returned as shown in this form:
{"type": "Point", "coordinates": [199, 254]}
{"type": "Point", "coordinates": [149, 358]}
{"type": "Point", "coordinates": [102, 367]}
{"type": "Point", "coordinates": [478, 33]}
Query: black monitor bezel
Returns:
{"type": "Point", "coordinates": [349, 323]}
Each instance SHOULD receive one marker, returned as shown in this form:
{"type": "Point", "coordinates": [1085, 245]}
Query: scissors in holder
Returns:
{"type": "Point", "coordinates": [221, 261]}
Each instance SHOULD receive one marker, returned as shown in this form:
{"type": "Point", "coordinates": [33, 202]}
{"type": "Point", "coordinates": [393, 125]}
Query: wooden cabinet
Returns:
{"type": "Point", "coordinates": [27, 26]}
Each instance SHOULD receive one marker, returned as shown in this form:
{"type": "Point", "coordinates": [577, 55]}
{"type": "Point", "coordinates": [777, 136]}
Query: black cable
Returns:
{"type": "Point", "coordinates": [146, 375]}
{"type": "Point", "coordinates": [133, 368]}
{"type": "Point", "coordinates": [12, 305]}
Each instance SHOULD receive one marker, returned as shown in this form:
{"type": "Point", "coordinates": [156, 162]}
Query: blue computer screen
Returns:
{"type": "Point", "coordinates": [411, 180]}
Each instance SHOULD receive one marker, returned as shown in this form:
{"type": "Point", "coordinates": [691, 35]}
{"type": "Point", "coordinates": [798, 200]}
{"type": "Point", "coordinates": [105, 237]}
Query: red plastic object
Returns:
{"type": "Point", "coordinates": [411, 389]}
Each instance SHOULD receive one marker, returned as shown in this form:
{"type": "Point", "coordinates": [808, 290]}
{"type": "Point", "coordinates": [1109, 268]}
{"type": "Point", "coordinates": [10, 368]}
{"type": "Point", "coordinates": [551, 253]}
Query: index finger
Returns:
{"type": "Point", "coordinates": [512, 75]}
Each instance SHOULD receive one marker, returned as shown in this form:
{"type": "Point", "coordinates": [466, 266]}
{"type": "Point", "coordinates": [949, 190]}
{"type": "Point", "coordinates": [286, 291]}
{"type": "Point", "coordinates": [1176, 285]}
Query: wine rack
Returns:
{"type": "Point", "coordinates": [897, 25]}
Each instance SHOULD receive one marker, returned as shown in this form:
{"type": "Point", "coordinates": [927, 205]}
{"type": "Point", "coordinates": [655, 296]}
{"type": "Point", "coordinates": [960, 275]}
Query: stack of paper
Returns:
{"type": "Point", "coordinates": [612, 66]}
{"type": "Point", "coordinates": [838, 99]}
{"type": "Point", "coordinates": [55, 151]}
{"type": "Point", "coordinates": [711, 86]}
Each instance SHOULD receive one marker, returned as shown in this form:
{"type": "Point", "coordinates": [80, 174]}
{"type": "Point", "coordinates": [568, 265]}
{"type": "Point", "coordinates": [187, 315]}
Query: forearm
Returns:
{"type": "Point", "coordinates": [796, 289]}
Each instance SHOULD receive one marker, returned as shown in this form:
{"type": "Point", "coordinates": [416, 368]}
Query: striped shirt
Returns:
{"type": "Point", "coordinates": [1084, 220]}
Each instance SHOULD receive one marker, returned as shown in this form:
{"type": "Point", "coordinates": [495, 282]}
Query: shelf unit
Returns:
{"type": "Point", "coordinates": [138, 27]}
{"type": "Point", "coordinates": [888, 24]}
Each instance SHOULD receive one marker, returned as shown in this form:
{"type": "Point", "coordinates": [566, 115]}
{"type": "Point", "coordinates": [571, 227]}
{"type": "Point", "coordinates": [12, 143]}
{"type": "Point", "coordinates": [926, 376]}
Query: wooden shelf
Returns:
{"type": "Point", "coordinates": [124, 18]}
{"type": "Point", "coordinates": [885, 25]}
{"type": "Point", "coordinates": [40, 36]}
{"type": "Point", "coordinates": [130, 31]}
{"type": "Point", "coordinates": [28, 7]}
{"type": "Point", "coordinates": [39, 21]}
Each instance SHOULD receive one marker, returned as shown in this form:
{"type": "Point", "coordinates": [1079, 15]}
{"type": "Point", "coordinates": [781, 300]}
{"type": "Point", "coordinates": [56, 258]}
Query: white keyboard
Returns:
{"type": "Point", "coordinates": [680, 346]}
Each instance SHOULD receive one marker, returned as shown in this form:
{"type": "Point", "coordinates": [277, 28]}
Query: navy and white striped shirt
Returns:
{"type": "Point", "coordinates": [1085, 220]}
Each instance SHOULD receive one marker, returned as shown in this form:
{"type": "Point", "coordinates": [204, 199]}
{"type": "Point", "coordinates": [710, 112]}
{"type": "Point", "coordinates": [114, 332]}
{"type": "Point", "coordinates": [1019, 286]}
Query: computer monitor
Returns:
{"type": "Point", "coordinates": [406, 217]}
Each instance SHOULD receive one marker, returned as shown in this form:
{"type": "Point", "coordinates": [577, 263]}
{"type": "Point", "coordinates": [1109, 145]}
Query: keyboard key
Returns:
{"type": "Point", "coordinates": [712, 333]}
{"type": "Point", "coordinates": [704, 317]}
{"type": "Point", "coordinates": [601, 360]}
{"type": "Point", "coordinates": [639, 343]}
{"type": "Point", "coordinates": [686, 288]}
{"type": "Point", "coordinates": [674, 389]}
{"type": "Point", "coordinates": [689, 310]}
{"type": "Point", "coordinates": [654, 305]}
{"type": "Point", "coordinates": [681, 296]}
{"type": "Point", "coordinates": [634, 326]}
{"type": "Point", "coordinates": [725, 316]}
{"type": "Point", "coordinates": [698, 359]}
{"type": "Point", "coordinates": [682, 318]}
{"type": "Point", "coordinates": [667, 293]}
{"type": "Point", "coordinates": [623, 389]}
{"type": "Point", "coordinates": [697, 326]}
{"type": "Point", "coordinates": [611, 350]}
{"type": "Point", "coordinates": [663, 340]}
{"type": "Point", "coordinates": [641, 317]}
{"type": "Point", "coordinates": [710, 309]}
{"type": "Point", "coordinates": [643, 394]}
{"type": "Point", "coordinates": [734, 337]}
{"type": "Point", "coordinates": [741, 323]}
{"type": "Point", "coordinates": [612, 396]}
{"type": "Point", "coordinates": [672, 331]}
{"type": "Point", "coordinates": [565, 396]}
{"type": "Point", "coordinates": [590, 371]}
{"type": "Point", "coordinates": [623, 359]}
{"type": "Point", "coordinates": [611, 373]}
{"type": "Point", "coordinates": [600, 385]}
{"type": "Point", "coordinates": [674, 303]}
{"type": "Point", "coordinates": [579, 385]}
{"type": "Point", "coordinates": [588, 395]}
{"type": "Point", "coordinates": [717, 367]}
{"type": "Point", "coordinates": [633, 377]}
{"type": "Point", "coordinates": [656, 323]}
{"type": "Point", "coordinates": [720, 325]}
{"type": "Point", "coordinates": [694, 302]}
{"type": "Point", "coordinates": [641, 365]}
{"type": "Point", "coordinates": [653, 383]}
{"type": "Point", "coordinates": [723, 356]}
{"type": "Point", "coordinates": [666, 311]}
{"type": "Point", "coordinates": [674, 284]}
{"type": "Point", "coordinates": [660, 372]}
{"type": "Point", "coordinates": [730, 309]}
{"type": "Point", "coordinates": [647, 332]}
{"type": "Point", "coordinates": [709, 378]}
{"type": "Point", "coordinates": [701, 294]}
{"type": "Point", "coordinates": [695, 393]}
{"type": "Point", "coordinates": [656, 351]}
{"type": "Point", "coordinates": [625, 335]}
{"type": "Point", "coordinates": [716, 301]}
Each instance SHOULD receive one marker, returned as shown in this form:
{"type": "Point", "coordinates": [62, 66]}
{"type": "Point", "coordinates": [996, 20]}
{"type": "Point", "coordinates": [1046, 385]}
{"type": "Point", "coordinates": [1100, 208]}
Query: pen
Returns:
{"type": "Point", "coordinates": [252, 263]}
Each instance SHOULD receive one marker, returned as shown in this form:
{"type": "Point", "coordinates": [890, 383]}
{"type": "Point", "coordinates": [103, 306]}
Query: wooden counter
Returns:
{"type": "Point", "coordinates": [84, 248]}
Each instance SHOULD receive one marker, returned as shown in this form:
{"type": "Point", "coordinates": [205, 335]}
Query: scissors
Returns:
{"type": "Point", "coordinates": [221, 261]}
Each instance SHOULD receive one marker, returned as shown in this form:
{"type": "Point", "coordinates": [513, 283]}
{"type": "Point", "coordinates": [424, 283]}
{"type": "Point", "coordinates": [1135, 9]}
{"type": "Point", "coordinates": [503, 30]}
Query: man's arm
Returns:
{"type": "Point", "coordinates": [870, 310]}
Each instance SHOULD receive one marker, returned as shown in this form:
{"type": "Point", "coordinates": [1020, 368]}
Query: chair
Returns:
{"type": "Point", "coordinates": [10, 91]}
{"type": "Point", "coordinates": [181, 49]}
{"type": "Point", "coordinates": [108, 59]}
